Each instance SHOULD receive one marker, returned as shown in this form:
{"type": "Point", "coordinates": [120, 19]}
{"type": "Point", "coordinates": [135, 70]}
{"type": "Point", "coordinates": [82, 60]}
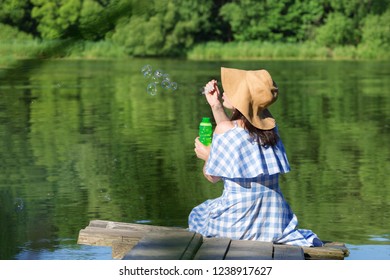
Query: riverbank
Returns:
{"type": "Point", "coordinates": [13, 50]}
{"type": "Point", "coordinates": [279, 51]}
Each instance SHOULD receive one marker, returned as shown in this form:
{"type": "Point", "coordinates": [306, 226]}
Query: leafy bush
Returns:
{"type": "Point", "coordinates": [337, 30]}
{"type": "Point", "coordinates": [164, 28]}
{"type": "Point", "coordinates": [376, 30]}
{"type": "Point", "coordinates": [376, 37]}
{"type": "Point", "coordinates": [10, 33]}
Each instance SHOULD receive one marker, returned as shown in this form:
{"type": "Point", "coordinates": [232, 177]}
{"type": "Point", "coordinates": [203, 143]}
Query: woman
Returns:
{"type": "Point", "coordinates": [247, 155]}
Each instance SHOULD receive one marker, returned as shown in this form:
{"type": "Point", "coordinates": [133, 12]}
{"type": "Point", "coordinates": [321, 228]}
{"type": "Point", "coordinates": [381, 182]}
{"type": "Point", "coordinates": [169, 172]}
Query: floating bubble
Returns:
{"type": "Point", "coordinates": [165, 76]}
{"type": "Point", "coordinates": [158, 74]}
{"type": "Point", "coordinates": [151, 89]}
{"type": "Point", "coordinates": [166, 84]}
{"type": "Point", "coordinates": [147, 71]}
{"type": "Point", "coordinates": [174, 86]}
{"type": "Point", "coordinates": [157, 78]}
{"type": "Point", "coordinates": [18, 204]}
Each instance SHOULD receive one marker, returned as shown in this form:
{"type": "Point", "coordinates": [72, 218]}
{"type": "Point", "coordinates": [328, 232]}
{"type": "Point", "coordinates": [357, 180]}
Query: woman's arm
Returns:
{"type": "Point", "coordinates": [212, 95]}
{"type": "Point", "coordinates": [203, 152]}
{"type": "Point", "coordinates": [211, 178]}
{"type": "Point", "coordinates": [219, 113]}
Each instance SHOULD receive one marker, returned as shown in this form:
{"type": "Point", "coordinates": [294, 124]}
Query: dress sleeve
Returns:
{"type": "Point", "coordinates": [235, 154]}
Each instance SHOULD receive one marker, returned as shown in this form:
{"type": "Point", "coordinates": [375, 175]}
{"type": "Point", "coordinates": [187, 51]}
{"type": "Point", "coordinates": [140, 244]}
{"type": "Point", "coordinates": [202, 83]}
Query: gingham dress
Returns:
{"type": "Point", "coordinates": [252, 206]}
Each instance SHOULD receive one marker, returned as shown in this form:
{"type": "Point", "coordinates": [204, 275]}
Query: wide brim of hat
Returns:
{"type": "Point", "coordinates": [236, 90]}
{"type": "Point", "coordinates": [266, 121]}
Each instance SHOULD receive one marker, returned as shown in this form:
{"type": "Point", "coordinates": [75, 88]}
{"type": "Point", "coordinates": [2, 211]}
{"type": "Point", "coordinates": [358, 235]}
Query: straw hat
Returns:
{"type": "Point", "coordinates": [251, 92]}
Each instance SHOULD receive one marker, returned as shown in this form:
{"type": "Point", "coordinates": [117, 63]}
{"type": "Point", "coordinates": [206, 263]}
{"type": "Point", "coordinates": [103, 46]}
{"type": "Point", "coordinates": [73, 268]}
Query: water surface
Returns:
{"type": "Point", "coordinates": [83, 140]}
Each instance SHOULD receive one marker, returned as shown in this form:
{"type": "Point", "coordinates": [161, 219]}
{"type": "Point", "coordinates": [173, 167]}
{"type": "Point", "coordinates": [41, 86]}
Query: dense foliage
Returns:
{"type": "Point", "coordinates": [173, 27]}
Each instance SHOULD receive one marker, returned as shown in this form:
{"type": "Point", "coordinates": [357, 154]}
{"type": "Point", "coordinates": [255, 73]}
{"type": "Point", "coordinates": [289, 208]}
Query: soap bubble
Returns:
{"type": "Point", "coordinates": [157, 79]}
{"type": "Point", "coordinates": [165, 77]}
{"type": "Point", "coordinates": [158, 74]}
{"type": "Point", "coordinates": [147, 71]}
{"type": "Point", "coordinates": [174, 86]}
{"type": "Point", "coordinates": [151, 89]}
{"type": "Point", "coordinates": [166, 84]}
{"type": "Point", "coordinates": [18, 204]}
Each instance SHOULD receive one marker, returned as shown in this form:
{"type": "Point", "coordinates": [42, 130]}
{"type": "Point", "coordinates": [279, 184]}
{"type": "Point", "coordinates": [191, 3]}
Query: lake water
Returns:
{"type": "Point", "coordinates": [83, 140]}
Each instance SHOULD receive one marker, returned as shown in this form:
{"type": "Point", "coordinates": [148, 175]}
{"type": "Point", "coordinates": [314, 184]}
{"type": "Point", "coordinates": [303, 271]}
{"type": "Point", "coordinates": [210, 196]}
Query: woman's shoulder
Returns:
{"type": "Point", "coordinates": [223, 127]}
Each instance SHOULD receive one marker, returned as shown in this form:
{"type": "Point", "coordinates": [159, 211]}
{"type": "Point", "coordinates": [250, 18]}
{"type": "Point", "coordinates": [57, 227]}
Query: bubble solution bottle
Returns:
{"type": "Point", "coordinates": [205, 131]}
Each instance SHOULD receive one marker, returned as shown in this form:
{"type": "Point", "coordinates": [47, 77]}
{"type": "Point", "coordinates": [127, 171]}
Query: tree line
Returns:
{"type": "Point", "coordinates": [173, 27]}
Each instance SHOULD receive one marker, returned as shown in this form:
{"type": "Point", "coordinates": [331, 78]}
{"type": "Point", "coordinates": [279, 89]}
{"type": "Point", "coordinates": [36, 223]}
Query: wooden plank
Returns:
{"type": "Point", "coordinates": [98, 223]}
{"type": "Point", "coordinates": [105, 237]}
{"type": "Point", "coordinates": [323, 253]}
{"type": "Point", "coordinates": [193, 247]}
{"type": "Point", "coordinates": [337, 245]}
{"type": "Point", "coordinates": [213, 249]}
{"type": "Point", "coordinates": [120, 249]}
{"type": "Point", "coordinates": [103, 233]}
{"type": "Point", "coordinates": [249, 250]}
{"type": "Point", "coordinates": [131, 226]}
{"type": "Point", "coordinates": [288, 252]}
{"type": "Point", "coordinates": [161, 246]}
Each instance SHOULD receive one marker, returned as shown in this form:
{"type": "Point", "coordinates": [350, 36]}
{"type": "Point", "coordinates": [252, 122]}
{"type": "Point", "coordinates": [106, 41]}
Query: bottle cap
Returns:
{"type": "Point", "coordinates": [206, 120]}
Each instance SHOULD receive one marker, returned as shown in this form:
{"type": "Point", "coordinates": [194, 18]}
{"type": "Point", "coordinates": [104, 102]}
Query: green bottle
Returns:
{"type": "Point", "coordinates": [205, 131]}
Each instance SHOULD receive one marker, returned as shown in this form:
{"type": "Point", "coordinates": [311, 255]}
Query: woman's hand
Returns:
{"type": "Point", "coordinates": [212, 93]}
{"type": "Point", "coordinates": [201, 150]}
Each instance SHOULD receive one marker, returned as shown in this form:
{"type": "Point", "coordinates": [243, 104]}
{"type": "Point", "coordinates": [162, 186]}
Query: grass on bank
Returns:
{"type": "Point", "coordinates": [12, 50]}
{"type": "Point", "coordinates": [266, 50]}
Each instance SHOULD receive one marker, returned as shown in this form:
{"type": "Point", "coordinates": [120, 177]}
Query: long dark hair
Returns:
{"type": "Point", "coordinates": [265, 137]}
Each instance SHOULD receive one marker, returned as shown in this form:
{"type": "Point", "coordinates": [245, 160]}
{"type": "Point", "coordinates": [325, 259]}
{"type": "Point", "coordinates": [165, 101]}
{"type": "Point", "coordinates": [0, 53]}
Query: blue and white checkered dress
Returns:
{"type": "Point", "coordinates": [252, 206]}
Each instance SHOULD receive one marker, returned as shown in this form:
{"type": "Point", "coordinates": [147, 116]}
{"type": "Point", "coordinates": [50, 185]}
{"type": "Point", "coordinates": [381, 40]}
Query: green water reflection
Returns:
{"type": "Point", "coordinates": [83, 140]}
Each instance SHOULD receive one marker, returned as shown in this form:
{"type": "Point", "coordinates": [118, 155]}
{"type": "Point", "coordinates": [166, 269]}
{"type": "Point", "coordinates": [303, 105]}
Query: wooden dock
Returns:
{"type": "Point", "coordinates": [146, 242]}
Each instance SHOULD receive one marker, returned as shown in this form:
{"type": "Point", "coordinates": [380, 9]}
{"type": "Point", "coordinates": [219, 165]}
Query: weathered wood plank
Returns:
{"type": "Point", "coordinates": [337, 245]}
{"type": "Point", "coordinates": [288, 252]}
{"type": "Point", "coordinates": [103, 233]}
{"type": "Point", "coordinates": [249, 250]}
{"type": "Point", "coordinates": [161, 246]}
{"type": "Point", "coordinates": [193, 247]}
{"type": "Point", "coordinates": [213, 249]}
{"type": "Point", "coordinates": [105, 238]}
{"type": "Point", "coordinates": [120, 249]}
{"type": "Point", "coordinates": [130, 226]}
{"type": "Point", "coordinates": [321, 253]}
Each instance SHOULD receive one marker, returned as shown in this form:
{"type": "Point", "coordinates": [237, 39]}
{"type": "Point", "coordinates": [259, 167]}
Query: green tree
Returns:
{"type": "Point", "coordinates": [271, 20]}
{"type": "Point", "coordinates": [357, 9]}
{"type": "Point", "coordinates": [89, 20]}
{"type": "Point", "coordinates": [55, 17]}
{"type": "Point", "coordinates": [337, 30]}
{"type": "Point", "coordinates": [376, 30]}
{"type": "Point", "coordinates": [17, 13]}
{"type": "Point", "coordinates": [9, 33]}
{"type": "Point", "coordinates": [84, 19]}
{"type": "Point", "coordinates": [375, 36]}
{"type": "Point", "coordinates": [168, 27]}
{"type": "Point", "coordinates": [345, 18]}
